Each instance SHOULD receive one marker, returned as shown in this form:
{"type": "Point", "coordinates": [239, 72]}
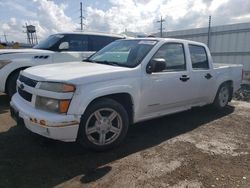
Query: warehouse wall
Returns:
{"type": "Point", "coordinates": [228, 43]}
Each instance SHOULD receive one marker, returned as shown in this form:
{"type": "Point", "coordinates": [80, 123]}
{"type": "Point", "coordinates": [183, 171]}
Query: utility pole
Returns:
{"type": "Point", "coordinates": [5, 37]}
{"type": "Point", "coordinates": [81, 17]}
{"type": "Point", "coordinates": [161, 21]}
{"type": "Point", "coordinates": [209, 31]}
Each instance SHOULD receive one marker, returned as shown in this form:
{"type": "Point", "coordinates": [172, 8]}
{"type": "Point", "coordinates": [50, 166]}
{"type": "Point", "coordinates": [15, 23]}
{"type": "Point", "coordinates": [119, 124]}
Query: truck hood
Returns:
{"type": "Point", "coordinates": [29, 50]}
{"type": "Point", "coordinates": [77, 72]}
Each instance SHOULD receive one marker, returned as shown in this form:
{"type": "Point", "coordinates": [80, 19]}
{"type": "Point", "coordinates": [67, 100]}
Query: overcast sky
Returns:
{"type": "Point", "coordinates": [51, 16]}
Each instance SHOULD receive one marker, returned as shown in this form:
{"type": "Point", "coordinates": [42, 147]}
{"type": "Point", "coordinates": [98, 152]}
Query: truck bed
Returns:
{"type": "Point", "coordinates": [223, 65]}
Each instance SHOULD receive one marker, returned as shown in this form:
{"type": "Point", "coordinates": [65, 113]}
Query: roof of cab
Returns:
{"type": "Point", "coordinates": [93, 33]}
{"type": "Point", "coordinates": [169, 40]}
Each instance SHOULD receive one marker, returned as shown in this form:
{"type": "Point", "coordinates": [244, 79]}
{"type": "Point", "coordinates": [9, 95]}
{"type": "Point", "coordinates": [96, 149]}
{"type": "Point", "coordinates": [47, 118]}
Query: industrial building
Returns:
{"type": "Point", "coordinates": [227, 43]}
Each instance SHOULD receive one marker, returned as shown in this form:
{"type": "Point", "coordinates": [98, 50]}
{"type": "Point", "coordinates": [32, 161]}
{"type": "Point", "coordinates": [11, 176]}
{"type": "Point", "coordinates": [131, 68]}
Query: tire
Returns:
{"type": "Point", "coordinates": [11, 83]}
{"type": "Point", "coordinates": [104, 125]}
{"type": "Point", "coordinates": [222, 97]}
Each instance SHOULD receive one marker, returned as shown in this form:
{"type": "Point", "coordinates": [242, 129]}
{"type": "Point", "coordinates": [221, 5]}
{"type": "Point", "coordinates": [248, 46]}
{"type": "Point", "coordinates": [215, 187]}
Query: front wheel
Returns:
{"type": "Point", "coordinates": [104, 125]}
{"type": "Point", "coordinates": [222, 97]}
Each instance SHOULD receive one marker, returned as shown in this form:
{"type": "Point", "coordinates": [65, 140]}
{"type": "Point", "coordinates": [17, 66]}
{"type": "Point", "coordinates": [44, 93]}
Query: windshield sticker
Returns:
{"type": "Point", "coordinates": [148, 42]}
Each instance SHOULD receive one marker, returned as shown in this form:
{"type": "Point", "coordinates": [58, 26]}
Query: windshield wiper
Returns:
{"type": "Point", "coordinates": [113, 63]}
{"type": "Point", "coordinates": [88, 60]}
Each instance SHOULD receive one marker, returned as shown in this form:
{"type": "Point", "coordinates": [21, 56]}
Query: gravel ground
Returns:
{"type": "Point", "coordinates": [196, 148]}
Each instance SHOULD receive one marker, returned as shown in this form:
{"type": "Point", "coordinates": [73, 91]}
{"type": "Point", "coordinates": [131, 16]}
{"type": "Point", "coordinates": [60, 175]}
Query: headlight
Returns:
{"type": "Point", "coordinates": [52, 105]}
{"type": "Point", "coordinates": [4, 62]}
{"type": "Point", "coordinates": [57, 87]}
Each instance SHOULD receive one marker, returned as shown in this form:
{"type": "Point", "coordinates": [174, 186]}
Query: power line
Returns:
{"type": "Point", "coordinates": [161, 21]}
{"type": "Point", "coordinates": [73, 12]}
{"type": "Point", "coordinates": [75, 18]}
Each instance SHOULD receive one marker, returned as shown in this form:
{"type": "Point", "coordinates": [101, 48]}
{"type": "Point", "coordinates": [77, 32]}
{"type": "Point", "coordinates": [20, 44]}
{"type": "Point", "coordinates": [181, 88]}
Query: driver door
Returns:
{"type": "Point", "coordinates": [171, 89]}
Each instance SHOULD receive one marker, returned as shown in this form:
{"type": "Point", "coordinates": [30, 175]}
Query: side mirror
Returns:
{"type": "Point", "coordinates": [156, 65]}
{"type": "Point", "coordinates": [64, 46]}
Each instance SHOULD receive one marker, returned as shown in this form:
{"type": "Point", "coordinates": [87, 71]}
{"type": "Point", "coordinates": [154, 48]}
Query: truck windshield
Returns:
{"type": "Point", "coordinates": [127, 53]}
{"type": "Point", "coordinates": [49, 42]}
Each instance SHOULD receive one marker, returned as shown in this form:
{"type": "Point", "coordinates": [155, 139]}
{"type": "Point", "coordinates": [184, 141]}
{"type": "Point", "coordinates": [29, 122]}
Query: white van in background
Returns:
{"type": "Point", "coordinates": [57, 48]}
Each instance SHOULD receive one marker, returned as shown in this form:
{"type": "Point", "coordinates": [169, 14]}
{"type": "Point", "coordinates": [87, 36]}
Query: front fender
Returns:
{"type": "Point", "coordinates": [7, 70]}
{"type": "Point", "coordinates": [85, 94]}
{"type": "Point", "coordinates": [17, 64]}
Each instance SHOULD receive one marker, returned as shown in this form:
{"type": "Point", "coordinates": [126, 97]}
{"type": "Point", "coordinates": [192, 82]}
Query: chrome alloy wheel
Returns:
{"type": "Point", "coordinates": [223, 96]}
{"type": "Point", "coordinates": [103, 126]}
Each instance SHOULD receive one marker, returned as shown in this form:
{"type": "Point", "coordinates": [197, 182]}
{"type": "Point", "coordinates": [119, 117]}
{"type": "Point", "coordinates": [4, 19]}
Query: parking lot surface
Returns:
{"type": "Point", "coordinates": [196, 148]}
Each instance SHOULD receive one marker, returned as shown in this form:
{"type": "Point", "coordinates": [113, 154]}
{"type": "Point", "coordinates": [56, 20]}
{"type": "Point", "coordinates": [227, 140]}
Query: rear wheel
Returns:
{"type": "Point", "coordinates": [11, 83]}
{"type": "Point", "coordinates": [222, 97]}
{"type": "Point", "coordinates": [104, 125]}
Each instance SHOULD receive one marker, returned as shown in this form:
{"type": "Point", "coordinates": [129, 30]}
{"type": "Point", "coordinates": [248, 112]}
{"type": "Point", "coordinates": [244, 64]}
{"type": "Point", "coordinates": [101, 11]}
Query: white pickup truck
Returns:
{"type": "Point", "coordinates": [57, 48]}
{"type": "Point", "coordinates": [128, 81]}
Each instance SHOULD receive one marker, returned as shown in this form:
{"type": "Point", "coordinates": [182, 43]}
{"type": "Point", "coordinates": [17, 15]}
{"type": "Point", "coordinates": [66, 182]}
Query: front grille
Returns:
{"type": "Point", "coordinates": [24, 94]}
{"type": "Point", "coordinates": [27, 81]}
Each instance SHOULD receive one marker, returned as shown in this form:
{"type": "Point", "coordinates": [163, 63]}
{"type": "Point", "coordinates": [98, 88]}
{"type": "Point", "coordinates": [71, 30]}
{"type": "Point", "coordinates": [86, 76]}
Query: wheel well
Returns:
{"type": "Point", "coordinates": [13, 72]}
{"type": "Point", "coordinates": [230, 84]}
{"type": "Point", "coordinates": [124, 99]}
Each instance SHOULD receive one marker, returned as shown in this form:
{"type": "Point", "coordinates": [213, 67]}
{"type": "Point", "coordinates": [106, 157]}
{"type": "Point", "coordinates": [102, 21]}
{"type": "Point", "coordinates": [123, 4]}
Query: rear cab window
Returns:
{"type": "Point", "coordinates": [199, 57]}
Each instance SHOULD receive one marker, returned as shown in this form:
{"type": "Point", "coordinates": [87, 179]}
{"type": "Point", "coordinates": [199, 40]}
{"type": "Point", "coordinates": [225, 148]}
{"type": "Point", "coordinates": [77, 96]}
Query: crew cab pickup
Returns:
{"type": "Point", "coordinates": [128, 81]}
{"type": "Point", "coordinates": [57, 48]}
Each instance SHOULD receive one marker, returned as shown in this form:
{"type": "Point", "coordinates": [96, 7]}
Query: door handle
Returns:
{"type": "Point", "coordinates": [208, 76]}
{"type": "Point", "coordinates": [184, 78]}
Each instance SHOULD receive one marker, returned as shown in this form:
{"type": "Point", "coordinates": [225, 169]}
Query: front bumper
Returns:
{"type": "Point", "coordinates": [50, 125]}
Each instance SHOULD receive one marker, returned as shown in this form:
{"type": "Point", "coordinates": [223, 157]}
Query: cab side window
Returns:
{"type": "Point", "coordinates": [198, 57]}
{"type": "Point", "coordinates": [76, 42]}
{"type": "Point", "coordinates": [174, 55]}
{"type": "Point", "coordinates": [98, 42]}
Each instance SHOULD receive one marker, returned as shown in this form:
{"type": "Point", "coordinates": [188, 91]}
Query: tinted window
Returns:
{"type": "Point", "coordinates": [198, 57]}
{"type": "Point", "coordinates": [48, 43]}
{"type": "Point", "coordinates": [98, 42]}
{"type": "Point", "coordinates": [173, 54]}
{"type": "Point", "coordinates": [76, 42]}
